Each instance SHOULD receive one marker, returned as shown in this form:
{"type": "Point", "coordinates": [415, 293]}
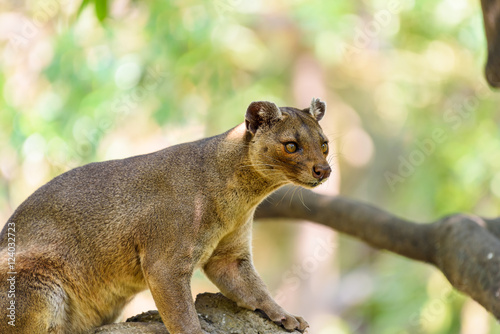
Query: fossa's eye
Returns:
{"type": "Point", "coordinates": [291, 147]}
{"type": "Point", "coordinates": [324, 148]}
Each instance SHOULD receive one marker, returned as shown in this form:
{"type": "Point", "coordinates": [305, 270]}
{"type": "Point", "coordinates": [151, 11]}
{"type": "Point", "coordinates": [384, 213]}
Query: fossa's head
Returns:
{"type": "Point", "coordinates": [287, 144]}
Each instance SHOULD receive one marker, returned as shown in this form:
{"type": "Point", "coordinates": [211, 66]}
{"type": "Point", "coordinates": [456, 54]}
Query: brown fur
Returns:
{"type": "Point", "coordinates": [90, 239]}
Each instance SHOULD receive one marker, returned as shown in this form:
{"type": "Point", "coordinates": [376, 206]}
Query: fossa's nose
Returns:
{"type": "Point", "coordinates": [321, 172]}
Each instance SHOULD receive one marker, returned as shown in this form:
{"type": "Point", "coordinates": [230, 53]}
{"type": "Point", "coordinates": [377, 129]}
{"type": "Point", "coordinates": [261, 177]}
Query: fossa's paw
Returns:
{"type": "Point", "coordinates": [292, 322]}
{"type": "Point", "coordinates": [288, 321]}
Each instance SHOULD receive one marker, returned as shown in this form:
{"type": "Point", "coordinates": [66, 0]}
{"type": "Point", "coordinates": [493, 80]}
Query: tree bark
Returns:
{"type": "Point", "coordinates": [466, 248]}
{"type": "Point", "coordinates": [217, 314]}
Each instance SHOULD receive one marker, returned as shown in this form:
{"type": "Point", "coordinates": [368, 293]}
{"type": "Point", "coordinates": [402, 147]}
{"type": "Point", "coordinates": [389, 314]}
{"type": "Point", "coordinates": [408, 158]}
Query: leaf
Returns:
{"type": "Point", "coordinates": [101, 9]}
{"type": "Point", "coordinates": [82, 7]}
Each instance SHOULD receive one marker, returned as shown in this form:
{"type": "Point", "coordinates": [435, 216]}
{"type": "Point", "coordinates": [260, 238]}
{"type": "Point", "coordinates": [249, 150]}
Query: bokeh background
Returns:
{"type": "Point", "coordinates": [412, 122]}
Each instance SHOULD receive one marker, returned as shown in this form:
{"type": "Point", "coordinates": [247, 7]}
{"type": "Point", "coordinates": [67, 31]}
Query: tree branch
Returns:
{"type": "Point", "coordinates": [491, 19]}
{"type": "Point", "coordinates": [465, 248]}
{"type": "Point", "coordinates": [217, 315]}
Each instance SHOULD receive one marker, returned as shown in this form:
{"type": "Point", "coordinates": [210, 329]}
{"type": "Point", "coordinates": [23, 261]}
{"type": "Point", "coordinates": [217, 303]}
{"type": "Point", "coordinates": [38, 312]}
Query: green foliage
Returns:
{"type": "Point", "coordinates": [101, 8]}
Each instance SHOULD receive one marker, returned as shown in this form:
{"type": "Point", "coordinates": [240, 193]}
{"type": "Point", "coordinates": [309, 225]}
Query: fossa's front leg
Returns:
{"type": "Point", "coordinates": [230, 268]}
{"type": "Point", "coordinates": [169, 282]}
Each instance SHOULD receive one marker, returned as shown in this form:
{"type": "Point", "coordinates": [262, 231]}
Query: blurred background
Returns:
{"type": "Point", "coordinates": [412, 122]}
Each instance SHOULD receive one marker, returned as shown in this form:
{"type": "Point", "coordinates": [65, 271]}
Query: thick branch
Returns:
{"type": "Point", "coordinates": [465, 248]}
{"type": "Point", "coordinates": [370, 224]}
{"type": "Point", "coordinates": [217, 315]}
{"type": "Point", "coordinates": [491, 18]}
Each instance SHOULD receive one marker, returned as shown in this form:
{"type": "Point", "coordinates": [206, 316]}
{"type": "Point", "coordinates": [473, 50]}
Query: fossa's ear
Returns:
{"type": "Point", "coordinates": [261, 113]}
{"type": "Point", "coordinates": [317, 109]}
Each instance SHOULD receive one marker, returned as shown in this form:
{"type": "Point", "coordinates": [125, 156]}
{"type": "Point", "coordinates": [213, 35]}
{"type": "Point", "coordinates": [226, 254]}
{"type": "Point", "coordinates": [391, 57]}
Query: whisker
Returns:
{"type": "Point", "coordinates": [334, 136]}
{"type": "Point", "coordinates": [284, 195]}
{"type": "Point", "coordinates": [301, 197]}
{"type": "Point", "coordinates": [293, 194]}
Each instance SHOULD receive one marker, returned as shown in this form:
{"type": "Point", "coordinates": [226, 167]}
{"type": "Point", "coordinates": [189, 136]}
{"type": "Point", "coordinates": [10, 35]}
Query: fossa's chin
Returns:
{"type": "Point", "coordinates": [309, 184]}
